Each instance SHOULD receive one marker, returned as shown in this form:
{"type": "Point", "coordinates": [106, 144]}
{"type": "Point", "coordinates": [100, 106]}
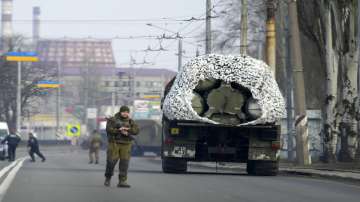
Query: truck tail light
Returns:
{"type": "Point", "coordinates": [275, 145]}
{"type": "Point", "coordinates": [169, 141]}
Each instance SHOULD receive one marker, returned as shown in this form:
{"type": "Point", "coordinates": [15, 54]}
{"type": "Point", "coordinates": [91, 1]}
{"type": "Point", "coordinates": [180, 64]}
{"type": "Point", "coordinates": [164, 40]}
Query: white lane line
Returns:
{"type": "Point", "coordinates": [10, 177]}
{"type": "Point", "coordinates": [7, 168]}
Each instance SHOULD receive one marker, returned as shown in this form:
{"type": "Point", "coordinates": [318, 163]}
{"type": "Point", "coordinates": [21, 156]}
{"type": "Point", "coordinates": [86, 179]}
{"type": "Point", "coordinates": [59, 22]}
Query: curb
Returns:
{"type": "Point", "coordinates": [348, 176]}
{"type": "Point", "coordinates": [323, 173]}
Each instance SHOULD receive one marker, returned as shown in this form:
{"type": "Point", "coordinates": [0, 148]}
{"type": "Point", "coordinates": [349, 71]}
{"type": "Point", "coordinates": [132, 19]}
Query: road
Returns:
{"type": "Point", "coordinates": [66, 176]}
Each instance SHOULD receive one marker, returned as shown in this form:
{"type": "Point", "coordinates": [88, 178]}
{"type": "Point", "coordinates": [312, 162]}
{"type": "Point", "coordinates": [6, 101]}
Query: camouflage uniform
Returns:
{"type": "Point", "coordinates": [95, 143]}
{"type": "Point", "coordinates": [119, 147]}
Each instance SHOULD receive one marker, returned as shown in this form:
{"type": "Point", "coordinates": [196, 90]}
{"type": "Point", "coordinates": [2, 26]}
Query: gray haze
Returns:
{"type": "Point", "coordinates": [61, 18]}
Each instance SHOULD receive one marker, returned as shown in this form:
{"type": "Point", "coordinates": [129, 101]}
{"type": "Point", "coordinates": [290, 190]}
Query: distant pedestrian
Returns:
{"type": "Point", "coordinates": [33, 146]}
{"type": "Point", "coordinates": [95, 143]}
{"type": "Point", "coordinates": [12, 141]}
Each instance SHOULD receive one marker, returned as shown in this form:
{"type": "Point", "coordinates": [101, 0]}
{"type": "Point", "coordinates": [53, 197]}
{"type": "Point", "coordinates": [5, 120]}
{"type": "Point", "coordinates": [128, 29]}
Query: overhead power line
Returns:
{"type": "Point", "coordinates": [107, 21]}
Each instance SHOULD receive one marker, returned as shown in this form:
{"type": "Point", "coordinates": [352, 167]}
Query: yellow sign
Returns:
{"type": "Point", "coordinates": [48, 85]}
{"type": "Point", "coordinates": [73, 130]}
{"type": "Point", "coordinates": [22, 59]}
{"type": "Point", "coordinates": [174, 131]}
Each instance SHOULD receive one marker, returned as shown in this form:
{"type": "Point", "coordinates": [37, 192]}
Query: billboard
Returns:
{"type": "Point", "coordinates": [146, 109]}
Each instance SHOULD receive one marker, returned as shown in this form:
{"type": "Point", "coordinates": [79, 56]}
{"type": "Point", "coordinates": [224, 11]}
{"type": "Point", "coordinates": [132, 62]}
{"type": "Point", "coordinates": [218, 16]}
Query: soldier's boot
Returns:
{"type": "Point", "coordinates": [107, 182]}
{"type": "Point", "coordinates": [123, 184]}
{"type": "Point", "coordinates": [123, 168]}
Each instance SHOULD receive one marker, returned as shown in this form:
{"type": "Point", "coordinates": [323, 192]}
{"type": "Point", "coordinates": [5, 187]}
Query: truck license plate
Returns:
{"type": "Point", "coordinates": [179, 150]}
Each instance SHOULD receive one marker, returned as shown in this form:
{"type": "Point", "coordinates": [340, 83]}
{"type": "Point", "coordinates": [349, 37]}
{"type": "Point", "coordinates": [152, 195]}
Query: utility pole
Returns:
{"type": "Point", "coordinates": [244, 26]}
{"type": "Point", "coordinates": [180, 50]}
{"type": "Point", "coordinates": [284, 50]}
{"type": "Point", "coordinates": [86, 90]}
{"type": "Point", "coordinates": [18, 100]}
{"type": "Point", "coordinates": [113, 102]}
{"type": "Point", "coordinates": [58, 98]}
{"type": "Point", "coordinates": [208, 27]}
{"type": "Point", "coordinates": [260, 50]}
{"type": "Point", "coordinates": [285, 58]}
{"type": "Point", "coordinates": [302, 147]}
{"type": "Point", "coordinates": [131, 80]}
{"type": "Point", "coordinates": [357, 156]}
{"type": "Point", "coordinates": [271, 36]}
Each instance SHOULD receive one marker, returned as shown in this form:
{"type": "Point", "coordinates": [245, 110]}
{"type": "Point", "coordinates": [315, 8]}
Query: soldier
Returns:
{"type": "Point", "coordinates": [120, 130]}
{"type": "Point", "coordinates": [12, 141]}
{"type": "Point", "coordinates": [33, 146]}
{"type": "Point", "coordinates": [94, 147]}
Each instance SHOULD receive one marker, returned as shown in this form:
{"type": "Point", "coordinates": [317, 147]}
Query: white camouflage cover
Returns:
{"type": "Point", "coordinates": [249, 72]}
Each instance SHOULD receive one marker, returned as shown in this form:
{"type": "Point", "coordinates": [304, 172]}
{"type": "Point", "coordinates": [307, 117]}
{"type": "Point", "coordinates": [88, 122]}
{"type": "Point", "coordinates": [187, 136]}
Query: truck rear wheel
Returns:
{"type": "Point", "coordinates": [173, 165]}
{"type": "Point", "coordinates": [262, 168]}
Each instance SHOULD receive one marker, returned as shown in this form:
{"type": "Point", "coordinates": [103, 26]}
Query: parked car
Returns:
{"type": "Point", "coordinates": [4, 131]}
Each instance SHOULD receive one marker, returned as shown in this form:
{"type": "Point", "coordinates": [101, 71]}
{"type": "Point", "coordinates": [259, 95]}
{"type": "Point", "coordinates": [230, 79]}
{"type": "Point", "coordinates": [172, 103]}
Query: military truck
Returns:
{"type": "Point", "coordinates": [226, 120]}
{"type": "Point", "coordinates": [148, 139]}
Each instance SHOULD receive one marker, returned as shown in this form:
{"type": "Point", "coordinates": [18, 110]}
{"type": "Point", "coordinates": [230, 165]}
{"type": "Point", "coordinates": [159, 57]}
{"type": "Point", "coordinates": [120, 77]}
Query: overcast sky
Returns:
{"type": "Point", "coordinates": [123, 18]}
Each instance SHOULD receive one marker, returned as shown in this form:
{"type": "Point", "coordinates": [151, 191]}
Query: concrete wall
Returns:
{"type": "Point", "coordinates": [315, 137]}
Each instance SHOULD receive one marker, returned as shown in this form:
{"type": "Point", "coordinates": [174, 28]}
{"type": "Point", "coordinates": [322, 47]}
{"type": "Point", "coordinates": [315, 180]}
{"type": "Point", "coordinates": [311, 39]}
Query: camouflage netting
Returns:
{"type": "Point", "coordinates": [244, 70]}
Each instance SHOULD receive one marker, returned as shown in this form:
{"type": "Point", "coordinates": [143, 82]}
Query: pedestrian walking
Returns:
{"type": "Point", "coordinates": [12, 141]}
{"type": "Point", "coordinates": [120, 130]}
{"type": "Point", "coordinates": [33, 147]}
{"type": "Point", "coordinates": [95, 143]}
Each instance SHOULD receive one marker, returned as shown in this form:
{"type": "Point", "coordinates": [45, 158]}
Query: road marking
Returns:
{"type": "Point", "coordinates": [10, 177]}
{"type": "Point", "coordinates": [7, 168]}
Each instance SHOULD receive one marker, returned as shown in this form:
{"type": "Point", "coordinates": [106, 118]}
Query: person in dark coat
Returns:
{"type": "Point", "coordinates": [12, 141]}
{"type": "Point", "coordinates": [33, 146]}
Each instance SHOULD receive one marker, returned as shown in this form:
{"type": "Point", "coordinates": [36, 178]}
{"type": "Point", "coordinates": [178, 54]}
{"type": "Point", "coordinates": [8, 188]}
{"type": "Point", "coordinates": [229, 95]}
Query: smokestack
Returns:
{"type": "Point", "coordinates": [6, 24]}
{"type": "Point", "coordinates": [36, 25]}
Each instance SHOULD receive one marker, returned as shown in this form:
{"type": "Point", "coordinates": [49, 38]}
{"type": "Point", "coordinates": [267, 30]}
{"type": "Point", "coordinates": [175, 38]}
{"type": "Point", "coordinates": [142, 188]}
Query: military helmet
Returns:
{"type": "Point", "coordinates": [124, 108]}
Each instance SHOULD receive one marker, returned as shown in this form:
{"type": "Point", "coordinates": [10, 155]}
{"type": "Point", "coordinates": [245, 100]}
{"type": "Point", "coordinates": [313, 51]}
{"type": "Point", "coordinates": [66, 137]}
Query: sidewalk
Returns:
{"type": "Point", "coordinates": [343, 171]}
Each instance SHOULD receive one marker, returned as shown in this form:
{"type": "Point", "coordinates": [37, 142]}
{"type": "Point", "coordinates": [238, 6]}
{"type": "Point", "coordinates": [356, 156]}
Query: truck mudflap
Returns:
{"type": "Point", "coordinates": [179, 151]}
{"type": "Point", "coordinates": [263, 150]}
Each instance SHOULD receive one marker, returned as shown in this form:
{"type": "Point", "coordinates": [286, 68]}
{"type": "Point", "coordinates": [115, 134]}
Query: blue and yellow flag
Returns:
{"type": "Point", "coordinates": [22, 56]}
{"type": "Point", "coordinates": [48, 84]}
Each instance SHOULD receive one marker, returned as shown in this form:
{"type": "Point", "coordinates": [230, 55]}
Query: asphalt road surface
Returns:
{"type": "Point", "coordinates": [66, 176]}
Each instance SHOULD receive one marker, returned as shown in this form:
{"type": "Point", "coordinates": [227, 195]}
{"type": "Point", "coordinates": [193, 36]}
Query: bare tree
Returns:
{"type": "Point", "coordinates": [331, 25]}
{"type": "Point", "coordinates": [31, 75]}
{"type": "Point", "coordinates": [227, 38]}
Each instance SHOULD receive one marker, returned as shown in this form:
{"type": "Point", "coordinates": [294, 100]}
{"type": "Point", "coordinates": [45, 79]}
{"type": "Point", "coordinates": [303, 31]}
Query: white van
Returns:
{"type": "Point", "coordinates": [4, 131]}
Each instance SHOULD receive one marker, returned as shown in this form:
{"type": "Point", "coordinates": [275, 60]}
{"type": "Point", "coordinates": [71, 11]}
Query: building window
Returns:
{"type": "Point", "coordinates": [107, 83]}
{"type": "Point", "coordinates": [116, 84]}
{"type": "Point", "coordinates": [124, 83]}
{"type": "Point", "coordinates": [157, 84]}
{"type": "Point", "coordinates": [149, 84]}
{"type": "Point", "coordinates": [138, 84]}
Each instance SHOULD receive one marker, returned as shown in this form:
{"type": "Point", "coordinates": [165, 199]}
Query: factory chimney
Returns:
{"type": "Point", "coordinates": [36, 25]}
{"type": "Point", "coordinates": [6, 24]}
